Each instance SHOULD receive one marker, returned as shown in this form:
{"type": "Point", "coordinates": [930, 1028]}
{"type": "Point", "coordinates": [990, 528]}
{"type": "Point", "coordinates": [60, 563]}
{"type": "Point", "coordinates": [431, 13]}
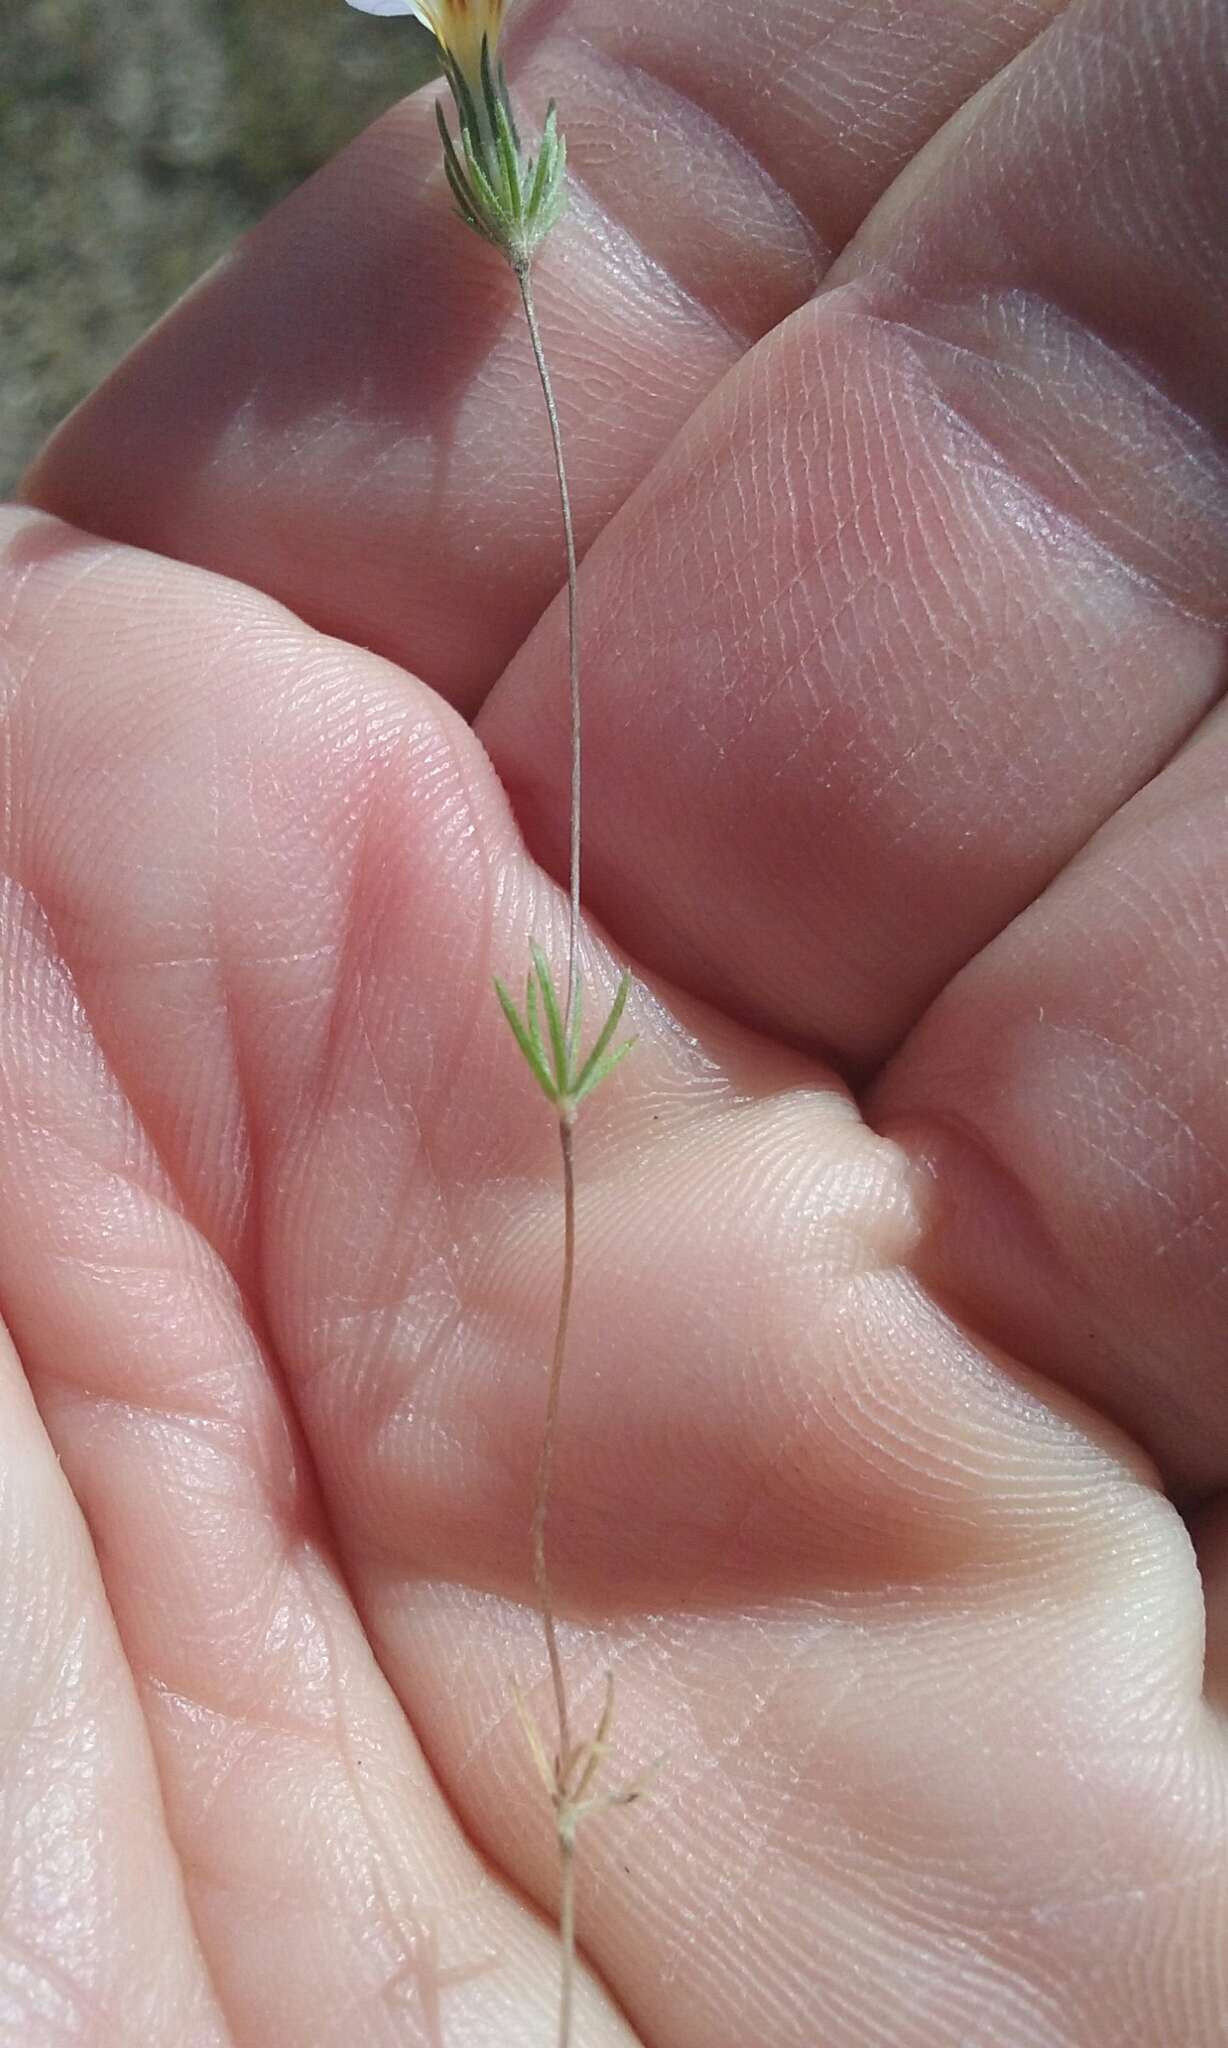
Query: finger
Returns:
{"type": "Point", "coordinates": [346, 415]}
{"type": "Point", "coordinates": [326, 1878]}
{"type": "Point", "coordinates": [847, 1560]}
{"type": "Point", "coordinates": [96, 1939]}
{"type": "Point", "coordinates": [938, 577]}
{"type": "Point", "coordinates": [1068, 1095]}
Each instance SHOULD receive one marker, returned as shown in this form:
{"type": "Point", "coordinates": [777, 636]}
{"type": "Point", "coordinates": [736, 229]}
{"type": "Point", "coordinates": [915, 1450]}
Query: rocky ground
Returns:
{"type": "Point", "coordinates": [137, 139]}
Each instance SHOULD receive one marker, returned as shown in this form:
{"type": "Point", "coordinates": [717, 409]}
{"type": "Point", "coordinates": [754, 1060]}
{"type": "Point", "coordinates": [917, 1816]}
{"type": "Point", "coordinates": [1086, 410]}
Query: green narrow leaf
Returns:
{"type": "Point", "coordinates": [488, 200]}
{"type": "Point", "coordinates": [545, 158]}
{"type": "Point", "coordinates": [573, 1031]}
{"type": "Point", "coordinates": [549, 199]}
{"type": "Point", "coordinates": [593, 1076]}
{"type": "Point", "coordinates": [465, 104]}
{"type": "Point", "coordinates": [554, 1021]}
{"type": "Point", "coordinates": [511, 164]}
{"type": "Point", "coordinates": [558, 180]}
{"type": "Point", "coordinates": [486, 71]}
{"type": "Point", "coordinates": [463, 204]}
{"type": "Point", "coordinates": [466, 198]}
{"type": "Point", "coordinates": [455, 175]}
{"type": "Point", "coordinates": [608, 1029]}
{"type": "Point", "coordinates": [525, 1043]}
{"type": "Point", "coordinates": [533, 1020]}
{"type": "Point", "coordinates": [501, 130]}
{"type": "Point", "coordinates": [508, 108]}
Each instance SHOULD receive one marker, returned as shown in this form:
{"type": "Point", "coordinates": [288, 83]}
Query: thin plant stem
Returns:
{"type": "Point", "coordinates": [545, 1463]}
{"type": "Point", "coordinates": [545, 1467]}
{"type": "Point", "coordinates": [567, 1936]}
{"type": "Point", "coordinates": [573, 639]}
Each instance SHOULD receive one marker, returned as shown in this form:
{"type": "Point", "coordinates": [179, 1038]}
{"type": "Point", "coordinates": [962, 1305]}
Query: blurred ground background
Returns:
{"type": "Point", "coordinates": [137, 139]}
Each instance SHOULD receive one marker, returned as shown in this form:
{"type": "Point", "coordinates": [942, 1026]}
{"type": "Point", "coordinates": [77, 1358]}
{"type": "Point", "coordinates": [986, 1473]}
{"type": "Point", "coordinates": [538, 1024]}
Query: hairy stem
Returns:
{"type": "Point", "coordinates": [573, 639]}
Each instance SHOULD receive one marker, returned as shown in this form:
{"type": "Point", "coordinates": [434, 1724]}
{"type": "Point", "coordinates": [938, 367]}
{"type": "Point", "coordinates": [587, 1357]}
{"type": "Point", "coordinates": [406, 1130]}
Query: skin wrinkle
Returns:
{"type": "Point", "coordinates": [244, 1227]}
{"type": "Point", "coordinates": [640, 278]}
{"type": "Point", "coordinates": [150, 1176]}
{"type": "Point", "coordinates": [662, 76]}
{"type": "Point", "coordinates": [1051, 111]}
{"type": "Point", "coordinates": [797, 55]}
{"type": "Point", "coordinates": [53, 1638]}
{"type": "Point", "coordinates": [1075, 533]}
{"type": "Point", "coordinates": [821, 78]}
{"type": "Point", "coordinates": [30, 579]}
{"type": "Point", "coordinates": [804, 559]}
{"type": "Point", "coordinates": [417, 1351]}
{"type": "Point", "coordinates": [731, 654]}
{"type": "Point", "coordinates": [690, 109]}
{"type": "Point", "coordinates": [1045, 1250]}
{"type": "Point", "coordinates": [998, 460]}
{"type": "Point", "coordinates": [198, 1704]}
{"type": "Point", "coordinates": [81, 2016]}
{"type": "Point", "coordinates": [1140, 68]}
{"type": "Point", "coordinates": [382, 1335]}
{"type": "Point", "coordinates": [98, 1399]}
{"type": "Point", "coordinates": [159, 1198]}
{"type": "Point", "coordinates": [422, 1970]}
{"type": "Point", "coordinates": [649, 269]}
{"type": "Point", "coordinates": [1124, 1054]}
{"type": "Point", "coordinates": [979, 692]}
{"type": "Point", "coordinates": [1202, 615]}
{"type": "Point", "coordinates": [913, 76]}
{"type": "Point", "coordinates": [334, 1737]}
{"type": "Point", "coordinates": [350, 951]}
{"type": "Point", "coordinates": [394, 1913]}
{"type": "Point", "coordinates": [208, 1990]}
{"type": "Point", "coordinates": [897, 1926]}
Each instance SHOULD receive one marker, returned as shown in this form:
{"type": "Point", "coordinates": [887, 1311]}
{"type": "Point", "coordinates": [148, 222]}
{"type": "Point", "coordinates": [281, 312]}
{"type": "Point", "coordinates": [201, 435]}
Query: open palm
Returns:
{"type": "Point", "coordinates": [890, 345]}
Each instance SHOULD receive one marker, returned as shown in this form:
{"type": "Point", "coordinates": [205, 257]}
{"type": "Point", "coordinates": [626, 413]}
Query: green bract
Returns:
{"type": "Point", "coordinates": [511, 198]}
{"type": "Point", "coordinates": [554, 1061]}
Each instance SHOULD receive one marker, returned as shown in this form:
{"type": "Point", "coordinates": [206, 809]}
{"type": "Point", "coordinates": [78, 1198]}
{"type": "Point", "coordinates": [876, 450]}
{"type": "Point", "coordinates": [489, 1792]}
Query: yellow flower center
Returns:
{"type": "Point", "coordinates": [459, 27]}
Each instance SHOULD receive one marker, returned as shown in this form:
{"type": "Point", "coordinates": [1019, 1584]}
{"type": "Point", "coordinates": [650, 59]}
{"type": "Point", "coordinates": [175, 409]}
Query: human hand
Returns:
{"type": "Point", "coordinates": [903, 663]}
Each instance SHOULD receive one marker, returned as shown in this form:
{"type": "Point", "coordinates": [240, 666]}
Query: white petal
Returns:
{"type": "Point", "coordinates": [383, 6]}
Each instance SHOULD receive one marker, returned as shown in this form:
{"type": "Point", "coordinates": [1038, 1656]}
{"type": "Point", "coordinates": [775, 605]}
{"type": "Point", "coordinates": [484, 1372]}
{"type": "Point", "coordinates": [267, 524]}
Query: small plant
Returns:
{"type": "Point", "coordinates": [512, 198]}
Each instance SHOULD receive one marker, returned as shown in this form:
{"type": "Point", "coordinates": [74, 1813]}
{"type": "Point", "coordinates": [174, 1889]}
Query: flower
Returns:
{"type": "Point", "coordinates": [459, 27]}
{"type": "Point", "coordinates": [511, 198]}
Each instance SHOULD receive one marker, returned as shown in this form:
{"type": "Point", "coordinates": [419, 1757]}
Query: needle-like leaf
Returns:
{"type": "Point", "coordinates": [508, 108]}
{"type": "Point", "coordinates": [509, 155]}
{"type": "Point", "coordinates": [545, 160]}
{"type": "Point", "coordinates": [573, 1029]}
{"type": "Point", "coordinates": [595, 1075]}
{"type": "Point", "coordinates": [466, 106]}
{"type": "Point", "coordinates": [612, 1022]}
{"type": "Point", "coordinates": [484, 192]}
{"type": "Point", "coordinates": [554, 1019]}
{"type": "Point", "coordinates": [527, 1044]}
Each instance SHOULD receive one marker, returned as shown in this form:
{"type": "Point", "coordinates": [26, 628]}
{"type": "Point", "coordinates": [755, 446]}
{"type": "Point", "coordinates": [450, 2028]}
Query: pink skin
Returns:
{"type": "Point", "coordinates": [904, 1231]}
